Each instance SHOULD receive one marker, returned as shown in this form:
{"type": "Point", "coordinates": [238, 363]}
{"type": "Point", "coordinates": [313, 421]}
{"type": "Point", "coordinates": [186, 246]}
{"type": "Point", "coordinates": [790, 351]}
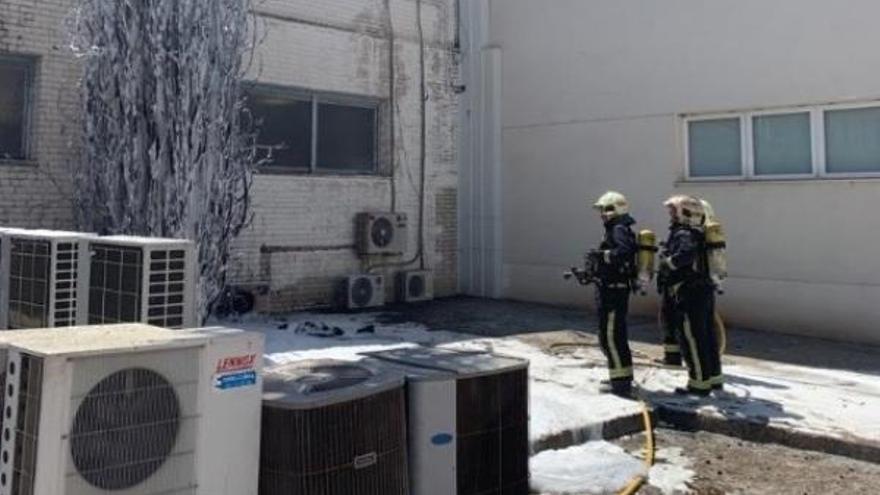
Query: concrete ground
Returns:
{"type": "Point", "coordinates": [724, 465]}
{"type": "Point", "coordinates": [791, 403]}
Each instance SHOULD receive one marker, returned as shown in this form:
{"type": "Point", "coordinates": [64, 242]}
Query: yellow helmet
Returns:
{"type": "Point", "coordinates": [688, 209]}
{"type": "Point", "coordinates": [612, 204]}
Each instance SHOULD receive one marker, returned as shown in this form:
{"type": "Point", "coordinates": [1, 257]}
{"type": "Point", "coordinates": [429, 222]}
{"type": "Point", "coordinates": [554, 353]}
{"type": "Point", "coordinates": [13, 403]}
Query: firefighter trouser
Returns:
{"type": "Point", "coordinates": [671, 324]}
{"type": "Point", "coordinates": [716, 376]}
{"type": "Point", "coordinates": [699, 346]}
{"type": "Point", "coordinates": [613, 305]}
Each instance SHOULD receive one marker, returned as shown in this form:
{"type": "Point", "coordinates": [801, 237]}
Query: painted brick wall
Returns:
{"type": "Point", "coordinates": [343, 46]}
{"type": "Point", "coordinates": [335, 45]}
{"type": "Point", "coordinates": [36, 192]}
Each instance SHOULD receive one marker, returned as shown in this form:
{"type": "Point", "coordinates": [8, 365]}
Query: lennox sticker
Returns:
{"type": "Point", "coordinates": [236, 363]}
{"type": "Point", "coordinates": [235, 372]}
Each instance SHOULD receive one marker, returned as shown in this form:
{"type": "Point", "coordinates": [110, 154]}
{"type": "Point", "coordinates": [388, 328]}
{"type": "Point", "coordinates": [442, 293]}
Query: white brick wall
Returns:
{"type": "Point", "coordinates": [331, 45]}
{"type": "Point", "coordinates": [36, 193]}
{"type": "Point", "coordinates": [342, 46]}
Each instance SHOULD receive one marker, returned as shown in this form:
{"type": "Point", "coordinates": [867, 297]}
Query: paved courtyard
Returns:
{"type": "Point", "coordinates": [788, 394]}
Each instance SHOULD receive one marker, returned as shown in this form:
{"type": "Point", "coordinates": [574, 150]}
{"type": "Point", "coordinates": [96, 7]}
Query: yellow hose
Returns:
{"type": "Point", "coordinates": [637, 482]}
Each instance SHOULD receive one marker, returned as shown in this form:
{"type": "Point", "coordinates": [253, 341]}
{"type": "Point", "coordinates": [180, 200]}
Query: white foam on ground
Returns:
{"type": "Point", "coordinates": [564, 388]}
{"type": "Point", "coordinates": [284, 344]}
{"type": "Point", "coordinates": [592, 468]}
{"type": "Point", "coordinates": [671, 471]}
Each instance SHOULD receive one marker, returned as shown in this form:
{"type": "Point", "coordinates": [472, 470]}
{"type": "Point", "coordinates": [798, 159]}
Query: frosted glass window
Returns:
{"type": "Point", "coordinates": [714, 148]}
{"type": "Point", "coordinates": [782, 144]}
{"type": "Point", "coordinates": [852, 140]}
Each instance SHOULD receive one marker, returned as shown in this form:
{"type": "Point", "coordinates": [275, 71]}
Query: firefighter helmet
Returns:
{"type": "Point", "coordinates": [612, 204]}
{"type": "Point", "coordinates": [687, 210]}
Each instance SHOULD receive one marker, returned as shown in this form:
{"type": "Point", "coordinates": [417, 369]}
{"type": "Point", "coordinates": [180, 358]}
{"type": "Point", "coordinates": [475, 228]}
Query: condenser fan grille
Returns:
{"type": "Point", "coordinates": [382, 232]}
{"type": "Point", "coordinates": [29, 280]}
{"type": "Point", "coordinates": [351, 448]}
{"type": "Point", "coordinates": [124, 429]}
{"type": "Point", "coordinates": [492, 425]}
{"type": "Point", "coordinates": [115, 284]}
{"type": "Point", "coordinates": [362, 291]}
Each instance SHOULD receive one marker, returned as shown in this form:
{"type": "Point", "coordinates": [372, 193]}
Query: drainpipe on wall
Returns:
{"type": "Point", "coordinates": [480, 166]}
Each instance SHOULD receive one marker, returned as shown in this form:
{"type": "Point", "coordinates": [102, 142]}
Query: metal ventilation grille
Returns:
{"type": "Point", "coordinates": [125, 429]}
{"type": "Point", "coordinates": [493, 443]}
{"type": "Point", "coordinates": [353, 448]}
{"type": "Point", "coordinates": [66, 269]}
{"type": "Point", "coordinates": [29, 280]}
{"type": "Point", "coordinates": [167, 286]}
{"type": "Point", "coordinates": [30, 387]}
{"type": "Point", "coordinates": [115, 284]}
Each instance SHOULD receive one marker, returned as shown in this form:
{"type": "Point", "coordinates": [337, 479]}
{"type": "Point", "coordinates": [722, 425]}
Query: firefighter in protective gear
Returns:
{"type": "Point", "coordinates": [669, 318]}
{"type": "Point", "coordinates": [616, 271]}
{"type": "Point", "coordinates": [690, 289]}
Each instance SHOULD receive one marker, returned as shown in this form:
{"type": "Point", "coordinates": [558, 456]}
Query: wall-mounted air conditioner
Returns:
{"type": "Point", "coordinates": [42, 278]}
{"type": "Point", "coordinates": [468, 421]}
{"type": "Point", "coordinates": [415, 286]}
{"type": "Point", "coordinates": [364, 291]}
{"type": "Point", "coordinates": [132, 409]}
{"type": "Point", "coordinates": [333, 428]}
{"type": "Point", "coordinates": [381, 233]}
{"type": "Point", "coordinates": [143, 279]}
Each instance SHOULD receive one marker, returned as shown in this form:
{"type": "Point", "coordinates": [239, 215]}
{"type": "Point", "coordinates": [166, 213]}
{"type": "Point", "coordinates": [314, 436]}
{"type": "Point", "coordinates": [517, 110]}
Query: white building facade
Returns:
{"type": "Point", "coordinates": [770, 110]}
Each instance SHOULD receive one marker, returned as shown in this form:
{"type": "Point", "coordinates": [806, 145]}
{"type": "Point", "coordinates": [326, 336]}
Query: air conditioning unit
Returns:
{"type": "Point", "coordinates": [143, 279]}
{"type": "Point", "coordinates": [415, 286]}
{"type": "Point", "coordinates": [365, 291]}
{"type": "Point", "coordinates": [468, 420]}
{"type": "Point", "coordinates": [42, 278]}
{"type": "Point", "coordinates": [333, 428]}
{"type": "Point", "coordinates": [6, 337]}
{"type": "Point", "coordinates": [132, 409]}
{"type": "Point", "coordinates": [381, 233]}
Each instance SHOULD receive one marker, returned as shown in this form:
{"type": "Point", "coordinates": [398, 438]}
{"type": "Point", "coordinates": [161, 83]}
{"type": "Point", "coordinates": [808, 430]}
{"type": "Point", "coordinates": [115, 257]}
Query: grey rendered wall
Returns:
{"type": "Point", "coordinates": [592, 97]}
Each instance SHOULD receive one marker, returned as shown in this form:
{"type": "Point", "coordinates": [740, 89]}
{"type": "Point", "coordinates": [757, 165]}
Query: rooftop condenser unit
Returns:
{"type": "Point", "coordinates": [468, 421]}
{"type": "Point", "coordinates": [131, 409]}
{"type": "Point", "coordinates": [333, 428]}
{"type": "Point", "coordinates": [143, 279]}
{"type": "Point", "coordinates": [42, 278]}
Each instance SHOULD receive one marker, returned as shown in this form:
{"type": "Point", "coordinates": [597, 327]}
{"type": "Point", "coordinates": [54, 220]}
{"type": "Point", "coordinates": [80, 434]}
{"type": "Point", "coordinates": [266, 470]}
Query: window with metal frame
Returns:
{"type": "Point", "coordinates": [809, 142]}
{"type": "Point", "coordinates": [16, 81]}
{"type": "Point", "coordinates": [314, 133]}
